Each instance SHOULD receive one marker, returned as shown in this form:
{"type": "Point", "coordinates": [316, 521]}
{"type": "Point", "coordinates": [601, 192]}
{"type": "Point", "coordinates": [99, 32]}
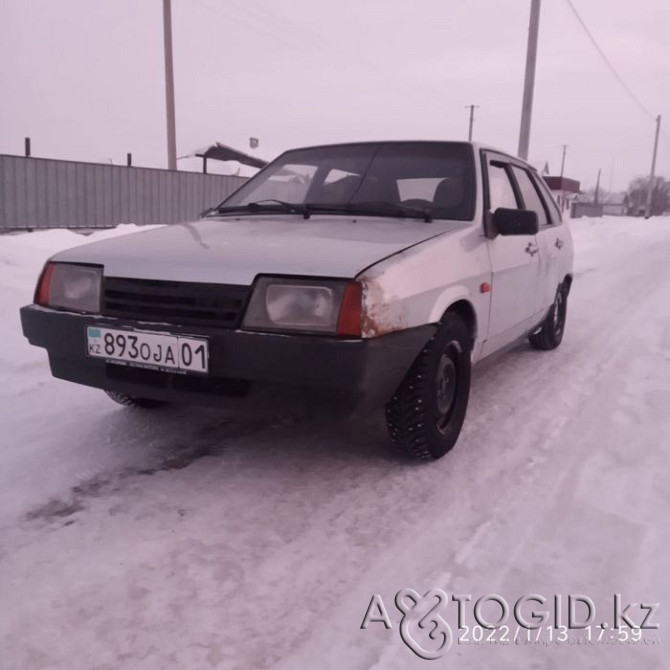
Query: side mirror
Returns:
{"type": "Point", "coordinates": [516, 221]}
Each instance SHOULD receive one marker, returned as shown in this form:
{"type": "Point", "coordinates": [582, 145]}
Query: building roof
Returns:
{"type": "Point", "coordinates": [563, 184]}
{"type": "Point", "coordinates": [222, 152]}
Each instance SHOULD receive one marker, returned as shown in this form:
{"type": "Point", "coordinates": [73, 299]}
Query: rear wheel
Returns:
{"type": "Point", "coordinates": [550, 332]}
{"type": "Point", "coordinates": [133, 401]}
{"type": "Point", "coordinates": [426, 413]}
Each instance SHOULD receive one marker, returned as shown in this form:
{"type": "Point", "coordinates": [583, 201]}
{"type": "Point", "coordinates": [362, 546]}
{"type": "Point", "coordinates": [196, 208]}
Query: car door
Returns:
{"type": "Point", "coordinates": [555, 247]}
{"type": "Point", "coordinates": [515, 263]}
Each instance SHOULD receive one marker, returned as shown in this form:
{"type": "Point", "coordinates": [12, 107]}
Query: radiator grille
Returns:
{"type": "Point", "coordinates": [188, 303]}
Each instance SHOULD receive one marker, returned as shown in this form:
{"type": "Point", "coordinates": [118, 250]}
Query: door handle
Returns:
{"type": "Point", "coordinates": [559, 243]}
{"type": "Point", "coordinates": [532, 249]}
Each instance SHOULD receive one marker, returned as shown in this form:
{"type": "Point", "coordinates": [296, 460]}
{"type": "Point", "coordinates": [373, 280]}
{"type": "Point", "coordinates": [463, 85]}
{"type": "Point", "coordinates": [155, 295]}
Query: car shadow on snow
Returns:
{"type": "Point", "coordinates": [146, 443]}
{"type": "Point", "coordinates": [270, 436]}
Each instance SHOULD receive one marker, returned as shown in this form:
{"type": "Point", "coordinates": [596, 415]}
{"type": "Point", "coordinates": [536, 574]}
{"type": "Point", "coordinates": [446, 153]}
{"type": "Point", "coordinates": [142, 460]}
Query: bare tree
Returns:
{"type": "Point", "coordinates": [660, 197]}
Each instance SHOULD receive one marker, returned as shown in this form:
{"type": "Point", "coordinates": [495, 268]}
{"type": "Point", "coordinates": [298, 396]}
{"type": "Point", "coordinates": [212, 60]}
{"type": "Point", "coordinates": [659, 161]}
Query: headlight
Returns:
{"type": "Point", "coordinates": [315, 306]}
{"type": "Point", "coordinates": [70, 286]}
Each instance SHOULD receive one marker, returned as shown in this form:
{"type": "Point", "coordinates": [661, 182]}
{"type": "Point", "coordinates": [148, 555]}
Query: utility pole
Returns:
{"type": "Point", "coordinates": [650, 186]}
{"type": "Point", "coordinates": [595, 197]}
{"type": "Point", "coordinates": [565, 148]}
{"type": "Point", "coordinates": [472, 120]}
{"type": "Point", "coordinates": [529, 82]}
{"type": "Point", "coordinates": [169, 86]}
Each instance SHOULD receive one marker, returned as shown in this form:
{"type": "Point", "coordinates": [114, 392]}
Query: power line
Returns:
{"type": "Point", "coordinates": [280, 37]}
{"type": "Point", "coordinates": [304, 37]}
{"type": "Point", "coordinates": [619, 78]}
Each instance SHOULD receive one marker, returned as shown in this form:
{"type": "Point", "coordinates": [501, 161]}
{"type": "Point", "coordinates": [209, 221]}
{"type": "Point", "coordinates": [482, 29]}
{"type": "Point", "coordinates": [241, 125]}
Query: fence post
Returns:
{"type": "Point", "coordinates": [129, 160]}
{"type": "Point", "coordinates": [27, 147]}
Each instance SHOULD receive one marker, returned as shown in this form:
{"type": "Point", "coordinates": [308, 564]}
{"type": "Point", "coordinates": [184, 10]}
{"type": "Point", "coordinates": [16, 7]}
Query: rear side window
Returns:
{"type": "Point", "coordinates": [554, 211]}
{"type": "Point", "coordinates": [531, 197]}
{"type": "Point", "coordinates": [501, 192]}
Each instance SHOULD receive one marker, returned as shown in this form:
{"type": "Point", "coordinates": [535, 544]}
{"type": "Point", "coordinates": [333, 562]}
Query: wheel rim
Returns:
{"type": "Point", "coordinates": [446, 384]}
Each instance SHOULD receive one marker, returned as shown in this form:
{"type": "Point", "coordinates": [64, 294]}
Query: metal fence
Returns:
{"type": "Point", "coordinates": [580, 209]}
{"type": "Point", "coordinates": [46, 193]}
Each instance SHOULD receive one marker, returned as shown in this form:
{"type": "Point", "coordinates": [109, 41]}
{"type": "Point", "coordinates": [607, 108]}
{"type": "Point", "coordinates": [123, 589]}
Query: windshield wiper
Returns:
{"type": "Point", "coordinates": [268, 205]}
{"type": "Point", "coordinates": [373, 207]}
{"type": "Point", "coordinates": [395, 207]}
{"type": "Point", "coordinates": [370, 207]}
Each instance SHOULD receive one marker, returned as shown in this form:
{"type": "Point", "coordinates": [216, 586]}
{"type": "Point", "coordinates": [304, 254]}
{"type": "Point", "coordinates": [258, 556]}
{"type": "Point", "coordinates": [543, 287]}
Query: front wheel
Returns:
{"type": "Point", "coordinates": [550, 332]}
{"type": "Point", "coordinates": [426, 413]}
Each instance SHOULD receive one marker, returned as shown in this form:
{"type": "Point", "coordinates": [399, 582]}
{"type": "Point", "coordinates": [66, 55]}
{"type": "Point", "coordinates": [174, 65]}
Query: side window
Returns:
{"type": "Point", "coordinates": [501, 192]}
{"type": "Point", "coordinates": [531, 197]}
{"type": "Point", "coordinates": [554, 209]}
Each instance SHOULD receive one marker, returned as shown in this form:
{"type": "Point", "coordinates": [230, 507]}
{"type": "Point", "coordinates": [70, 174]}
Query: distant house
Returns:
{"type": "Point", "coordinates": [564, 190]}
{"type": "Point", "coordinates": [592, 209]}
{"type": "Point", "coordinates": [615, 204]}
{"type": "Point", "coordinates": [585, 204]}
{"type": "Point", "coordinates": [607, 204]}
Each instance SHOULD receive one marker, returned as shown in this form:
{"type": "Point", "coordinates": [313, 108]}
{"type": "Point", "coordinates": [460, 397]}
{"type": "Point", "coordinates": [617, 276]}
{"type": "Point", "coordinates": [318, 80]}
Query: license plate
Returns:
{"type": "Point", "coordinates": [149, 350]}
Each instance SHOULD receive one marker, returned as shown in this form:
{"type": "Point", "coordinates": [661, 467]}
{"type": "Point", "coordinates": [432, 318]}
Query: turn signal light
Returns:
{"type": "Point", "coordinates": [44, 285]}
{"type": "Point", "coordinates": [349, 321]}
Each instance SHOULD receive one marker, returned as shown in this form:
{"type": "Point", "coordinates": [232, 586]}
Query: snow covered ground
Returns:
{"type": "Point", "coordinates": [194, 538]}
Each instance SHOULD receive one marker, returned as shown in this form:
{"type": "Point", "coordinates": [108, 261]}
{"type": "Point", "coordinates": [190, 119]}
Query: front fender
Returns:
{"type": "Point", "coordinates": [447, 298]}
{"type": "Point", "coordinates": [416, 287]}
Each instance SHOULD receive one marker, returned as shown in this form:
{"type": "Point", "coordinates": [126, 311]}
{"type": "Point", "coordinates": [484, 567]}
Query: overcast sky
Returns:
{"type": "Point", "coordinates": [85, 80]}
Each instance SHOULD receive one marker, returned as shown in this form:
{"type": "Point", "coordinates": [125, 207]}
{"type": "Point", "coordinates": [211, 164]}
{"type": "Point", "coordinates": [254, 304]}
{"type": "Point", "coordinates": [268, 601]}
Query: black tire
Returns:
{"type": "Point", "coordinates": [132, 401]}
{"type": "Point", "coordinates": [550, 332]}
{"type": "Point", "coordinates": [425, 415]}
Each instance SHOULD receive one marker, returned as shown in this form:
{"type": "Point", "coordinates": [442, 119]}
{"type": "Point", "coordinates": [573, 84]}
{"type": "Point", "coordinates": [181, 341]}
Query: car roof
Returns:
{"type": "Point", "coordinates": [481, 146]}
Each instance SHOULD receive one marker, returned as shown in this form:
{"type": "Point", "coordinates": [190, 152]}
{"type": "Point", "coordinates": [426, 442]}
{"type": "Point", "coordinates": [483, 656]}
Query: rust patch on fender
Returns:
{"type": "Point", "coordinates": [379, 317]}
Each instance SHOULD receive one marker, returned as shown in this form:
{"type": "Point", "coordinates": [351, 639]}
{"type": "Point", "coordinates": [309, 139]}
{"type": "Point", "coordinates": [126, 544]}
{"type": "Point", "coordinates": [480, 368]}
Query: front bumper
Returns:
{"type": "Point", "coordinates": [358, 372]}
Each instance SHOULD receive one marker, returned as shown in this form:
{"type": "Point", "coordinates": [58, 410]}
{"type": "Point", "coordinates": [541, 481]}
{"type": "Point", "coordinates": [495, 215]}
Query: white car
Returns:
{"type": "Point", "coordinates": [376, 272]}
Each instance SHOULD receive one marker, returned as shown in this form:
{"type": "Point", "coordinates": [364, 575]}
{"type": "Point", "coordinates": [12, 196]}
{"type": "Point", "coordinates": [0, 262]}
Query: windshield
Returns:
{"type": "Point", "coordinates": [423, 179]}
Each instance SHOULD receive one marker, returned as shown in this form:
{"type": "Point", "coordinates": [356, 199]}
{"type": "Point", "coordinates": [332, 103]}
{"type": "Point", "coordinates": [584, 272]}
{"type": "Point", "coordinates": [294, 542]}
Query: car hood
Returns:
{"type": "Point", "coordinates": [234, 251]}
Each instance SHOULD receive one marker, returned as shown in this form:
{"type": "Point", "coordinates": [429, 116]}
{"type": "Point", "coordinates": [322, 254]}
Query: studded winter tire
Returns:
{"type": "Point", "coordinates": [550, 332]}
{"type": "Point", "coordinates": [132, 401]}
{"type": "Point", "coordinates": [426, 413]}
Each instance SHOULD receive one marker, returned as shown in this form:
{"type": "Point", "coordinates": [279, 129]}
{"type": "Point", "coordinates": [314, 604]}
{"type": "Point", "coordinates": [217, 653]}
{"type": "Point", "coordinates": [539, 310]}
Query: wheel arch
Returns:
{"type": "Point", "coordinates": [465, 310]}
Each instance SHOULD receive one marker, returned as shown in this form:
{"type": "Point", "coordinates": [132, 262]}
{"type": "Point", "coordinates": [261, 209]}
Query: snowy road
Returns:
{"type": "Point", "coordinates": [201, 539]}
